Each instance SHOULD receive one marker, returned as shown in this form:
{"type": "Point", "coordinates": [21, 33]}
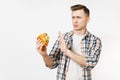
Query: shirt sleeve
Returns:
{"type": "Point", "coordinates": [93, 54]}
{"type": "Point", "coordinates": [55, 54]}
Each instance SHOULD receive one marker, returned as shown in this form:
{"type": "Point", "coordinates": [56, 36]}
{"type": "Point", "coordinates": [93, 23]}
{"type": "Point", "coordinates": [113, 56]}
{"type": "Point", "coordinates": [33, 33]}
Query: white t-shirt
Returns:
{"type": "Point", "coordinates": [75, 70]}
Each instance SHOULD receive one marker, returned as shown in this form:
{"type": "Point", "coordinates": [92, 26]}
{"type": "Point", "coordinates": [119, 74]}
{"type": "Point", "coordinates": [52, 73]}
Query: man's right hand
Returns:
{"type": "Point", "coordinates": [41, 48]}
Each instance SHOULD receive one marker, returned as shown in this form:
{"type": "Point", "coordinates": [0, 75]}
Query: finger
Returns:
{"type": "Point", "coordinates": [60, 36]}
{"type": "Point", "coordinates": [59, 33]}
{"type": "Point", "coordinates": [39, 43]}
{"type": "Point", "coordinates": [42, 47]}
{"type": "Point", "coordinates": [61, 39]}
{"type": "Point", "coordinates": [38, 46]}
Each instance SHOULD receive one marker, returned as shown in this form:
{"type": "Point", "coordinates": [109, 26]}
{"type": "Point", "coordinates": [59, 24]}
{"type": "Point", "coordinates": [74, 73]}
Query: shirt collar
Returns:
{"type": "Point", "coordinates": [72, 32]}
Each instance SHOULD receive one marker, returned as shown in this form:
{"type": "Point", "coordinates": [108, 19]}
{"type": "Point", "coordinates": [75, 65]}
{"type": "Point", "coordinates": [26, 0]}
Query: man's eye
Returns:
{"type": "Point", "coordinates": [79, 17]}
{"type": "Point", "coordinates": [73, 17]}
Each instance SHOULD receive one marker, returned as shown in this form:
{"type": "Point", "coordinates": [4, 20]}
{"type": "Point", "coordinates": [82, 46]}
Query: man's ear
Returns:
{"type": "Point", "coordinates": [88, 19]}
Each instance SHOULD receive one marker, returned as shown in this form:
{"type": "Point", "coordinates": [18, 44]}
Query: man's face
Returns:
{"type": "Point", "coordinates": [79, 20]}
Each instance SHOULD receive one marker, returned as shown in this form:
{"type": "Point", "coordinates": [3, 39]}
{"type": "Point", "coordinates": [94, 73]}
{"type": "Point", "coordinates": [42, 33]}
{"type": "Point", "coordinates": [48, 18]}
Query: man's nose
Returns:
{"type": "Point", "coordinates": [75, 20]}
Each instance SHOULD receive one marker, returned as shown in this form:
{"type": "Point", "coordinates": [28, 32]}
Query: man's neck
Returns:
{"type": "Point", "coordinates": [80, 32]}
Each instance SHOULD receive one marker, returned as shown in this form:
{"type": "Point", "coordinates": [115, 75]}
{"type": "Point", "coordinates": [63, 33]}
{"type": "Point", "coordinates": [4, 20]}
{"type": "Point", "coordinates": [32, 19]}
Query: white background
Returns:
{"type": "Point", "coordinates": [22, 20]}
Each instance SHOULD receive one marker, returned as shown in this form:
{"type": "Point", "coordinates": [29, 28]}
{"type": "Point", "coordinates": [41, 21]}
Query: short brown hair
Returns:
{"type": "Point", "coordinates": [80, 7]}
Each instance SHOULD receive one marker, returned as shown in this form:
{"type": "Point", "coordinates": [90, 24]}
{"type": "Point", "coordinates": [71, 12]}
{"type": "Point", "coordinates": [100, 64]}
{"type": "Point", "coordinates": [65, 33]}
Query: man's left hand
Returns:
{"type": "Point", "coordinates": [62, 45]}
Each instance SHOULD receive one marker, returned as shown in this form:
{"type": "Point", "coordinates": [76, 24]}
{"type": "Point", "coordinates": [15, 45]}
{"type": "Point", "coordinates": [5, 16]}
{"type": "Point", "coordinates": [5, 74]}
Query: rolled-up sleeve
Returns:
{"type": "Point", "coordinates": [93, 54]}
{"type": "Point", "coordinates": [55, 54]}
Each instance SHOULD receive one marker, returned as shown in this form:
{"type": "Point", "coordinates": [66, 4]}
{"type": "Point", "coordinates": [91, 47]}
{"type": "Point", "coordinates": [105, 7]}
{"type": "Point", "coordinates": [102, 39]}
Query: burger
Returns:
{"type": "Point", "coordinates": [44, 38]}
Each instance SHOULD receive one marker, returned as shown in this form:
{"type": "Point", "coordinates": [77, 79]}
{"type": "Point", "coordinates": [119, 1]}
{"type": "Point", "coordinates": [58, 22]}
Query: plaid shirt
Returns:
{"type": "Point", "coordinates": [91, 48]}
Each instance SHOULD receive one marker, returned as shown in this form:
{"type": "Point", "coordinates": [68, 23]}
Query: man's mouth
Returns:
{"type": "Point", "coordinates": [75, 25]}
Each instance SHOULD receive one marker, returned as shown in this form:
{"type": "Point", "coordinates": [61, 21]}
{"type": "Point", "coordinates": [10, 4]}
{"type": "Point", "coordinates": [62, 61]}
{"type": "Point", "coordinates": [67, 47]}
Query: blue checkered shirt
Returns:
{"type": "Point", "coordinates": [91, 48]}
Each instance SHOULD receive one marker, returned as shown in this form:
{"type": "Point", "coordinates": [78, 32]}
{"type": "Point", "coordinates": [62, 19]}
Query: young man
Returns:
{"type": "Point", "coordinates": [76, 52]}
